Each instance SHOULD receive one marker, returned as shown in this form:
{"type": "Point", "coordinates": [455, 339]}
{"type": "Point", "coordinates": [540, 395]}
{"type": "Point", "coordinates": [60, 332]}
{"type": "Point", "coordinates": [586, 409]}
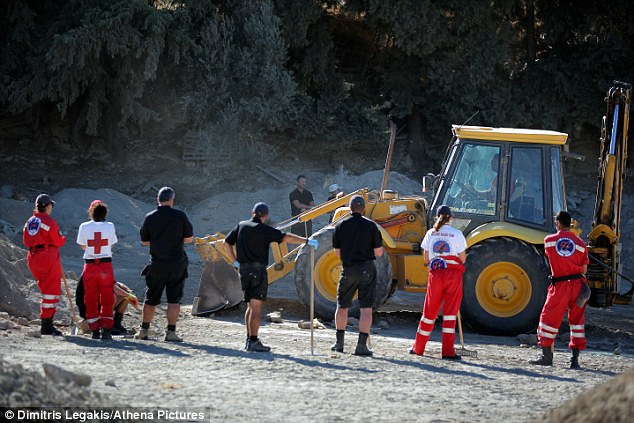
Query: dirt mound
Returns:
{"type": "Point", "coordinates": [609, 402]}
{"type": "Point", "coordinates": [125, 212]}
{"type": "Point", "coordinates": [17, 287]}
{"type": "Point", "coordinates": [221, 212]}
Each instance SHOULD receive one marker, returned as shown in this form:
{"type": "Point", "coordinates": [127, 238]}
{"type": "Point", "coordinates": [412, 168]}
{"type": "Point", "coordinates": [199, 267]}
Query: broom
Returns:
{"type": "Point", "coordinates": [462, 351]}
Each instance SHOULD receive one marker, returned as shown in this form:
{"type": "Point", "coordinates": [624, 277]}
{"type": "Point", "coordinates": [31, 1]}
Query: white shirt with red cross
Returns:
{"type": "Point", "coordinates": [98, 238]}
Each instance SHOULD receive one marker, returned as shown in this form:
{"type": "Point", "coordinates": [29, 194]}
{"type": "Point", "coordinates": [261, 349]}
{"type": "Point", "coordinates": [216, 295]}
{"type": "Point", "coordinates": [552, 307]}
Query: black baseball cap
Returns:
{"type": "Point", "coordinates": [44, 200]}
{"type": "Point", "coordinates": [260, 209]}
{"type": "Point", "coordinates": [357, 201]}
{"type": "Point", "coordinates": [444, 209]}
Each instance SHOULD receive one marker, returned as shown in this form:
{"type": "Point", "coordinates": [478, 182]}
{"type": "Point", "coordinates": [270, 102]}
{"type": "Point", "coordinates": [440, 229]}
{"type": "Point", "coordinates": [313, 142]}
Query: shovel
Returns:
{"type": "Point", "coordinates": [462, 351]}
{"type": "Point", "coordinates": [73, 329]}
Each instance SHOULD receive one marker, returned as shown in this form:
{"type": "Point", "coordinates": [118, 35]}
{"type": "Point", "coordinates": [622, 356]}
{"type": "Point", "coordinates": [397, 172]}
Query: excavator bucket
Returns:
{"type": "Point", "coordinates": [219, 286]}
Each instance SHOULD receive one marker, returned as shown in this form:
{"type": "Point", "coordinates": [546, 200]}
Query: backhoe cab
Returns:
{"type": "Point", "coordinates": [504, 186]}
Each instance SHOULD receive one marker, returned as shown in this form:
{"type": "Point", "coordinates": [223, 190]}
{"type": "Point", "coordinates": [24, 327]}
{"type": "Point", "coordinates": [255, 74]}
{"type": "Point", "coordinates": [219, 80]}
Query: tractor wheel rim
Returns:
{"type": "Point", "coordinates": [327, 273]}
{"type": "Point", "coordinates": [503, 289]}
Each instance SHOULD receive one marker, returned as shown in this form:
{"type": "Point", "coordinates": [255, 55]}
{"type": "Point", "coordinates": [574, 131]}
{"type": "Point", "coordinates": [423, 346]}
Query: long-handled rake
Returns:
{"type": "Point", "coordinates": [312, 299]}
{"type": "Point", "coordinates": [462, 351]}
{"type": "Point", "coordinates": [73, 329]}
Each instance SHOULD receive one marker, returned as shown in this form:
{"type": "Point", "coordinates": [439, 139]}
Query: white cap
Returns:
{"type": "Point", "coordinates": [333, 188]}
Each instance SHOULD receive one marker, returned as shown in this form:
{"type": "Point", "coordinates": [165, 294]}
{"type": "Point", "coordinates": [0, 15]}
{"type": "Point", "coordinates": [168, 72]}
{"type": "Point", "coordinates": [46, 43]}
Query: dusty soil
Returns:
{"type": "Point", "coordinates": [211, 372]}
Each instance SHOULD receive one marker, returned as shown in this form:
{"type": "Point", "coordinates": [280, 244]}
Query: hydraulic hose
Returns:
{"type": "Point", "coordinates": [596, 260]}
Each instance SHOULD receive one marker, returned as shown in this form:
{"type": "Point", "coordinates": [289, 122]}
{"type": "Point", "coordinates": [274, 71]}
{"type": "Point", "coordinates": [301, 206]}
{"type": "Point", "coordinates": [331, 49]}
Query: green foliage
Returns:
{"type": "Point", "coordinates": [321, 69]}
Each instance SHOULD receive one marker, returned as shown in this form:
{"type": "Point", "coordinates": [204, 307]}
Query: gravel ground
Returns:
{"type": "Point", "coordinates": [210, 371]}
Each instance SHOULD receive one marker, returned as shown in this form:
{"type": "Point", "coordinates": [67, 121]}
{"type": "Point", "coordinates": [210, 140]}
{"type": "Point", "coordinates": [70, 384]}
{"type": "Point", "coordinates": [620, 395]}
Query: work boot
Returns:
{"type": "Point", "coordinates": [118, 328]}
{"type": "Point", "coordinates": [170, 336]}
{"type": "Point", "coordinates": [338, 346]}
{"type": "Point", "coordinates": [96, 334]}
{"type": "Point", "coordinates": [362, 348]}
{"type": "Point", "coordinates": [106, 334]}
{"type": "Point", "coordinates": [452, 357]}
{"type": "Point", "coordinates": [142, 334]}
{"type": "Point", "coordinates": [574, 360]}
{"type": "Point", "coordinates": [257, 346]}
{"type": "Point", "coordinates": [48, 328]}
{"type": "Point", "coordinates": [546, 359]}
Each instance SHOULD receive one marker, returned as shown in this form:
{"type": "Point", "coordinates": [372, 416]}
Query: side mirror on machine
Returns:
{"type": "Point", "coordinates": [428, 181]}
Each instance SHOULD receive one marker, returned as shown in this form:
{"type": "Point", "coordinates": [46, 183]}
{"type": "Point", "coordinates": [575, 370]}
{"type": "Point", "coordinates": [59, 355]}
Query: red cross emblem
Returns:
{"type": "Point", "coordinates": [97, 243]}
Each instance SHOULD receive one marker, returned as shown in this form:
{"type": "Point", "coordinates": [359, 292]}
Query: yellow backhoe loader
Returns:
{"type": "Point", "coordinates": [504, 186]}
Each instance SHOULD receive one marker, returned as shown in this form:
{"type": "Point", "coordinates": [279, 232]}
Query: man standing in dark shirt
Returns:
{"type": "Point", "coordinates": [251, 239]}
{"type": "Point", "coordinates": [301, 200]}
{"type": "Point", "coordinates": [165, 230]}
{"type": "Point", "coordinates": [357, 240]}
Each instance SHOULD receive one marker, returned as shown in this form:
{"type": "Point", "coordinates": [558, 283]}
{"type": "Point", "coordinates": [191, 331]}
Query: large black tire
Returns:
{"type": "Point", "coordinates": [327, 272]}
{"type": "Point", "coordinates": [505, 287]}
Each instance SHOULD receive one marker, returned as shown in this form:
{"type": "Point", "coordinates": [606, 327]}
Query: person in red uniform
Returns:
{"type": "Point", "coordinates": [96, 237]}
{"type": "Point", "coordinates": [444, 252]}
{"type": "Point", "coordinates": [43, 238]}
{"type": "Point", "coordinates": [568, 258]}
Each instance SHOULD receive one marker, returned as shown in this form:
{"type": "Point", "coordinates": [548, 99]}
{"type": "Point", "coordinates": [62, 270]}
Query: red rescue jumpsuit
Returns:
{"type": "Point", "coordinates": [444, 285]}
{"type": "Point", "coordinates": [98, 238]}
{"type": "Point", "coordinates": [99, 285]}
{"type": "Point", "coordinates": [567, 255]}
{"type": "Point", "coordinates": [43, 238]}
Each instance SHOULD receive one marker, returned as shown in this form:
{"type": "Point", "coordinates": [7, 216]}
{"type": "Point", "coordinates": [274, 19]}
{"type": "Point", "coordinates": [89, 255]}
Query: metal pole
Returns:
{"type": "Point", "coordinates": [388, 160]}
{"type": "Point", "coordinates": [312, 298]}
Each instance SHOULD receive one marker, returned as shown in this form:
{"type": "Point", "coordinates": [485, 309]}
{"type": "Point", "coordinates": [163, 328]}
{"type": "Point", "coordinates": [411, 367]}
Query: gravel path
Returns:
{"type": "Point", "coordinates": [212, 372]}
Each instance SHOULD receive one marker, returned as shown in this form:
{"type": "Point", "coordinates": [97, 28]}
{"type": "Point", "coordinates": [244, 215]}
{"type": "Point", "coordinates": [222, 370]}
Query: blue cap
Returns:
{"type": "Point", "coordinates": [444, 209]}
{"type": "Point", "coordinates": [260, 209]}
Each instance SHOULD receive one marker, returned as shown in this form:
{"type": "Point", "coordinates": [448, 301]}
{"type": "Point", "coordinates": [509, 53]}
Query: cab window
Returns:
{"type": "Point", "coordinates": [525, 186]}
{"type": "Point", "coordinates": [474, 185]}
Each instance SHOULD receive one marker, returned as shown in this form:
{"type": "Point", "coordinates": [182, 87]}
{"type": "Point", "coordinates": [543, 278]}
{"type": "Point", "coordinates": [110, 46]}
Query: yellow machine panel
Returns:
{"type": "Point", "coordinates": [411, 272]}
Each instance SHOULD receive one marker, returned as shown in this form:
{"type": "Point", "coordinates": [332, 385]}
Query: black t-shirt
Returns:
{"type": "Point", "coordinates": [357, 237]}
{"type": "Point", "coordinates": [252, 239]}
{"type": "Point", "coordinates": [304, 197]}
{"type": "Point", "coordinates": [165, 229]}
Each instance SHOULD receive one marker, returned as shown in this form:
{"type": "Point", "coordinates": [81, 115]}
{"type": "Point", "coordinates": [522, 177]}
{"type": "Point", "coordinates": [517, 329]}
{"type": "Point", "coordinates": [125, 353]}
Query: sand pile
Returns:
{"type": "Point", "coordinates": [609, 402]}
{"type": "Point", "coordinates": [125, 212]}
{"type": "Point", "coordinates": [17, 288]}
{"type": "Point", "coordinates": [221, 212]}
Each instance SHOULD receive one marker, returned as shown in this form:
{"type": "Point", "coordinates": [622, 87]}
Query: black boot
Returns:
{"type": "Point", "coordinates": [118, 328]}
{"type": "Point", "coordinates": [48, 328]}
{"type": "Point", "coordinates": [338, 346]}
{"type": "Point", "coordinates": [106, 334]}
{"type": "Point", "coordinates": [546, 359]}
{"type": "Point", "coordinates": [362, 348]}
{"type": "Point", "coordinates": [96, 334]}
{"type": "Point", "coordinates": [574, 360]}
